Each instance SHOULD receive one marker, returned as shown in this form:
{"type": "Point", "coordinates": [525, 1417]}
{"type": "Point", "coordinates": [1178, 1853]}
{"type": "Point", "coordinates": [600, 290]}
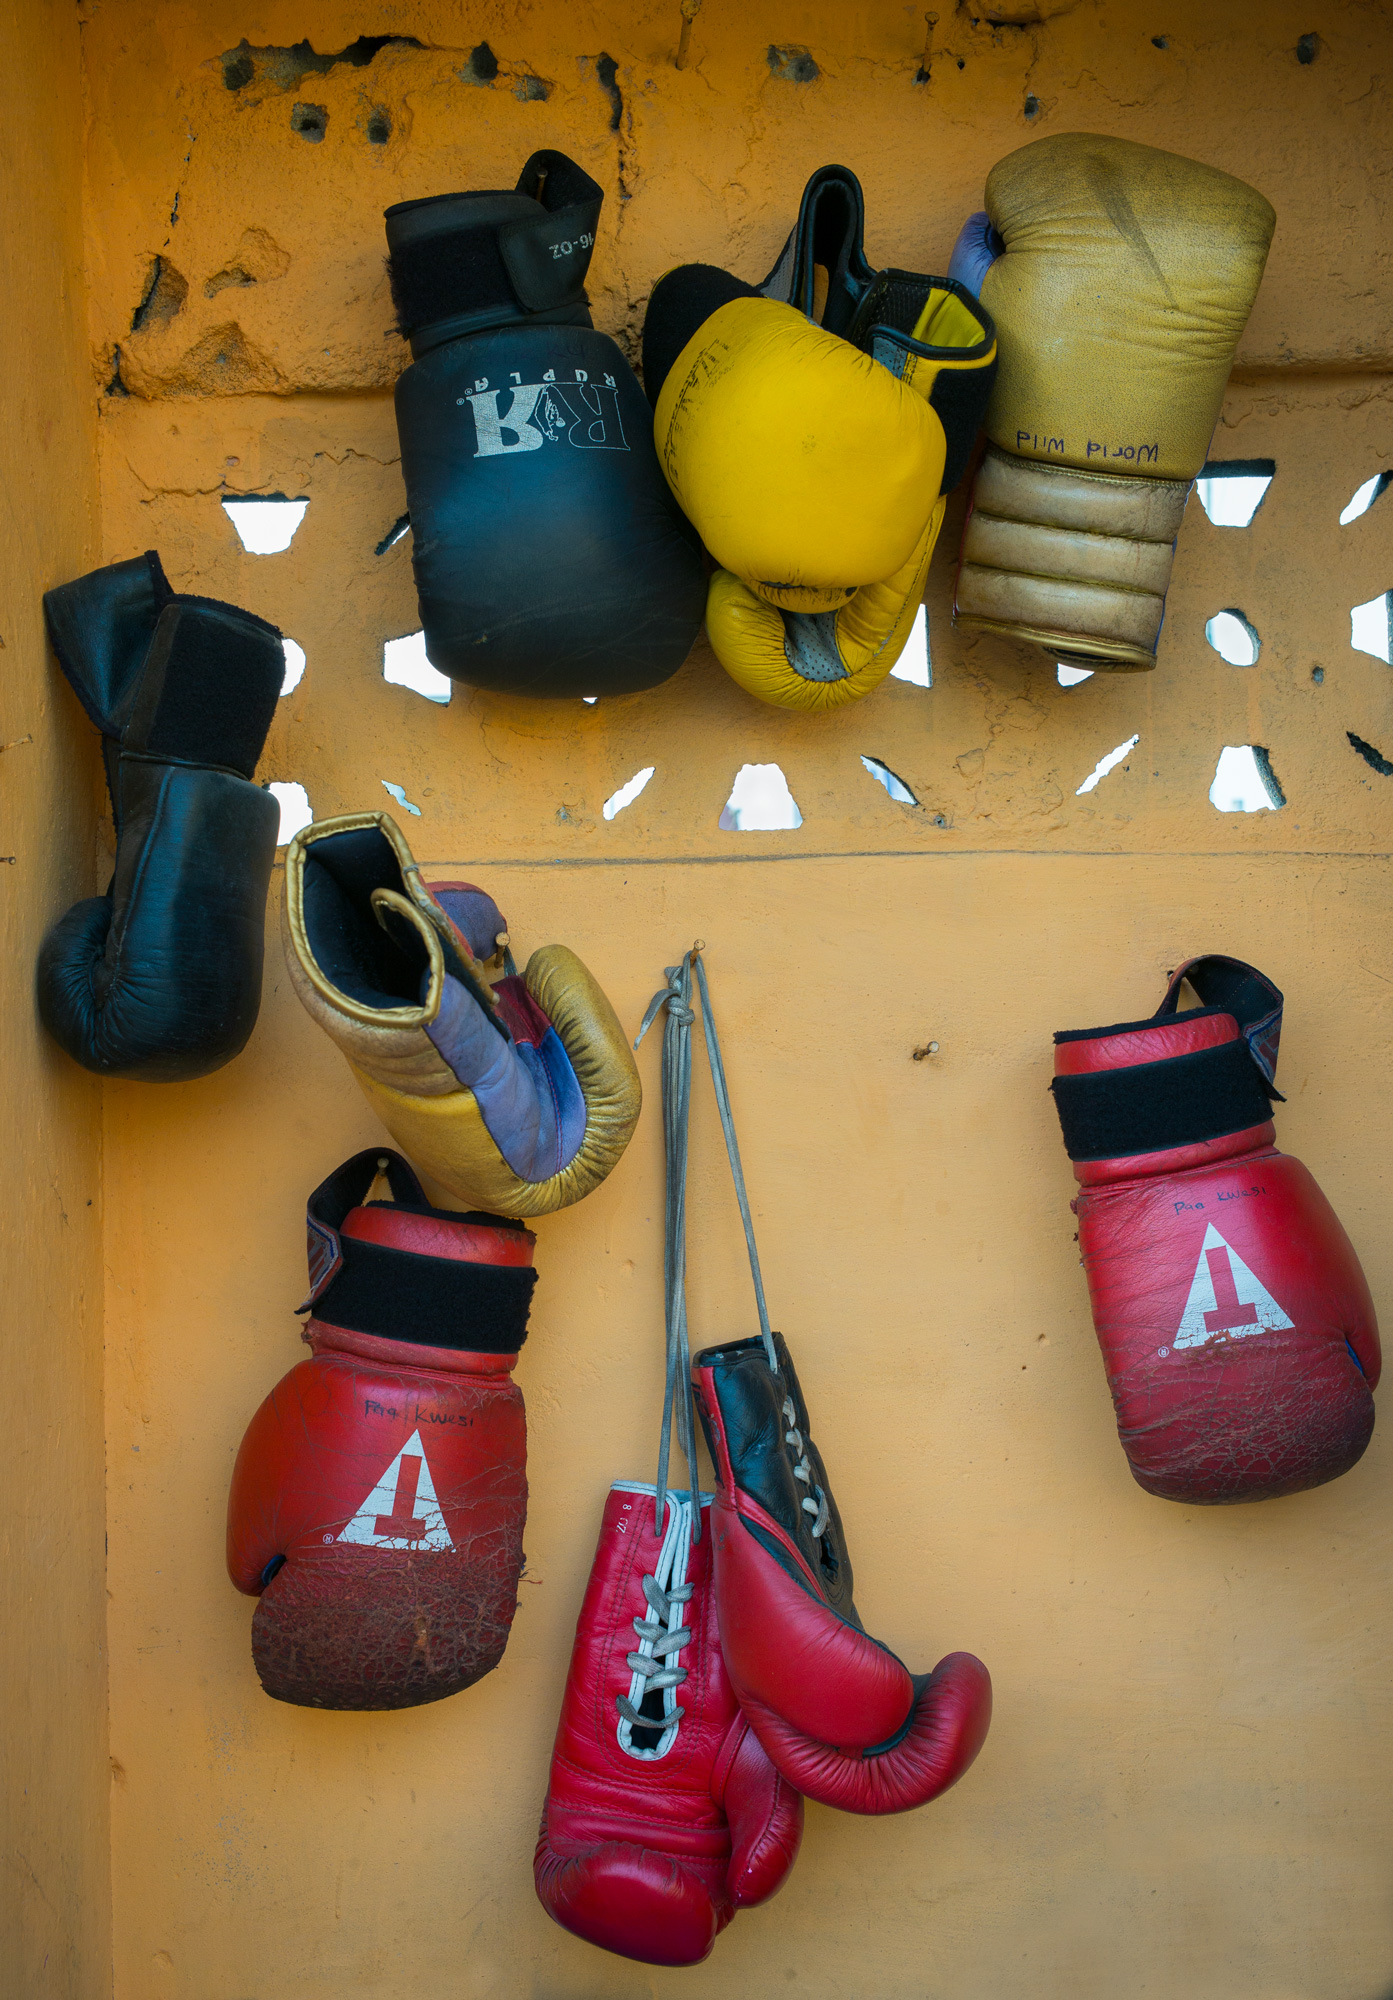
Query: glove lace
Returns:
{"type": "Point", "coordinates": [654, 1664]}
{"type": "Point", "coordinates": [802, 1470]}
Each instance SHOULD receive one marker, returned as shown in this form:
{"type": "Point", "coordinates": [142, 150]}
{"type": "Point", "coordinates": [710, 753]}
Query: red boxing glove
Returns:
{"type": "Point", "coordinates": [841, 1717]}
{"type": "Point", "coordinates": [1236, 1326]}
{"type": "Point", "coordinates": [663, 1815]}
{"type": "Point", "coordinates": [379, 1496]}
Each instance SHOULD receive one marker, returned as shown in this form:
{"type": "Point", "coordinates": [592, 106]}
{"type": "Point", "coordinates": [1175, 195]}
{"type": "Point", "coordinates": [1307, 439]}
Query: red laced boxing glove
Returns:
{"type": "Point", "coordinates": [663, 1815]}
{"type": "Point", "coordinates": [1236, 1326]}
{"type": "Point", "coordinates": [842, 1718]}
{"type": "Point", "coordinates": [378, 1499]}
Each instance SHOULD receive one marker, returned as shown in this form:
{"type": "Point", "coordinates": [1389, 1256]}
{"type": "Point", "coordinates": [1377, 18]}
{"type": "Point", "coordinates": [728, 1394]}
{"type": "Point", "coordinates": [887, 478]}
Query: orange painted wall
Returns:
{"type": "Point", "coordinates": [1185, 1788]}
{"type": "Point", "coordinates": [55, 1902]}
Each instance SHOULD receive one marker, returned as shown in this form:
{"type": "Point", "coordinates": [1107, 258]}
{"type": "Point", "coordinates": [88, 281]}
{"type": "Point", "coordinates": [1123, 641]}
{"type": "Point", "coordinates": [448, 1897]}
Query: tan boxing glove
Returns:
{"type": "Point", "coordinates": [1120, 279]}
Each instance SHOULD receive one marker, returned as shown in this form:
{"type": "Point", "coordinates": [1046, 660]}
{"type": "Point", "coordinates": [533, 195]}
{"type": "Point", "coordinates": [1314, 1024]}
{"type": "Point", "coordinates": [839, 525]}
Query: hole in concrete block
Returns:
{"type": "Point", "coordinates": [295, 810]}
{"type": "Point", "coordinates": [379, 126]}
{"type": "Point", "coordinates": [914, 664]}
{"type": "Point", "coordinates": [399, 794]}
{"type": "Point", "coordinates": [760, 802]}
{"type": "Point", "coordinates": [165, 292]}
{"type": "Point", "coordinates": [626, 794]}
{"type": "Point", "coordinates": [1371, 627]}
{"type": "Point", "coordinates": [1068, 676]}
{"type": "Point", "coordinates": [1105, 764]}
{"type": "Point", "coordinates": [294, 665]}
{"type": "Point", "coordinates": [1232, 489]}
{"type": "Point", "coordinates": [482, 66]}
{"type": "Point", "coordinates": [404, 663]}
{"type": "Point", "coordinates": [311, 121]}
{"type": "Point", "coordinates": [1373, 758]}
{"type": "Point", "coordinates": [265, 523]}
{"type": "Point", "coordinates": [401, 526]}
{"type": "Point", "coordinates": [1308, 48]}
{"type": "Point", "coordinates": [792, 63]}
{"type": "Point", "coordinates": [1160, 41]}
{"type": "Point", "coordinates": [1031, 107]}
{"type": "Point", "coordinates": [883, 775]}
{"type": "Point", "coordinates": [1233, 637]}
{"type": "Point", "coordinates": [1244, 780]}
{"type": "Point", "coordinates": [1365, 496]}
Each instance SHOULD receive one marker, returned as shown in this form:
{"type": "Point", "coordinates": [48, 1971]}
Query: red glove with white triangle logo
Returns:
{"type": "Point", "coordinates": [378, 1499]}
{"type": "Point", "coordinates": [1236, 1325]}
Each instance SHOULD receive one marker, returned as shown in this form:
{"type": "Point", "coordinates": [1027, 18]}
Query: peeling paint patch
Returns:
{"type": "Point", "coordinates": [284, 66]}
{"type": "Point", "coordinates": [165, 292]}
{"type": "Point", "coordinates": [792, 64]}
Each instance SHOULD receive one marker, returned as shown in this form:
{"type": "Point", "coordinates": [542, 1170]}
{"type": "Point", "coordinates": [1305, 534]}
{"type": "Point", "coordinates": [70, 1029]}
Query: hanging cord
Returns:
{"type": "Point", "coordinates": [718, 1083]}
{"type": "Point", "coordinates": [676, 996]}
{"type": "Point", "coordinates": [677, 1093]}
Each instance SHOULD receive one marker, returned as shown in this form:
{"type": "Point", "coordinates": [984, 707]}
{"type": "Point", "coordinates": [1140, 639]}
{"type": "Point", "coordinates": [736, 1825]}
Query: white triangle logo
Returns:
{"type": "Point", "coordinates": [402, 1511]}
{"type": "Point", "coordinates": [1225, 1300]}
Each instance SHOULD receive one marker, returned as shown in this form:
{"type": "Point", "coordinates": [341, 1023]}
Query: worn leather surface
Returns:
{"type": "Point", "coordinates": [1120, 298]}
{"type": "Point", "coordinates": [558, 1092]}
{"type": "Point", "coordinates": [549, 557]}
{"type": "Point", "coordinates": [1120, 295]}
{"type": "Point", "coordinates": [389, 1481]}
{"type": "Point", "coordinates": [651, 1859]}
{"type": "Point", "coordinates": [840, 1716]}
{"type": "Point", "coordinates": [1253, 1411]}
{"type": "Point", "coordinates": [159, 981]}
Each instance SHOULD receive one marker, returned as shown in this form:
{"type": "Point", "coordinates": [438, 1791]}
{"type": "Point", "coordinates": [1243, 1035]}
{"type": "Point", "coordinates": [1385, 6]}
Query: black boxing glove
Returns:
{"type": "Point", "coordinates": [159, 980]}
{"type": "Point", "coordinates": [550, 557]}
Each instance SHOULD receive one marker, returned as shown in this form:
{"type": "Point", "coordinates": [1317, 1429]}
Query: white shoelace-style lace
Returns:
{"type": "Point", "coordinates": [661, 1637]}
{"type": "Point", "coordinates": [802, 1470]}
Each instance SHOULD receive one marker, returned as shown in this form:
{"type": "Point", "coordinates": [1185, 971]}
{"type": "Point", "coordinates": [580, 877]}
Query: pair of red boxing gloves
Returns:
{"type": "Point", "coordinates": [682, 1760]}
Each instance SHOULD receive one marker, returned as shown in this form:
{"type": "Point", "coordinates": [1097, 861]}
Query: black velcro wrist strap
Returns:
{"type": "Point", "coordinates": [430, 1301]}
{"type": "Point", "coordinates": [1150, 1107]}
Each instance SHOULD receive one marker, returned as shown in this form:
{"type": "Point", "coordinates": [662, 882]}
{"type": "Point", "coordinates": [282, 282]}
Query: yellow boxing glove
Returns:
{"type": "Point", "coordinates": [813, 464]}
{"type": "Point", "coordinates": [1121, 279]}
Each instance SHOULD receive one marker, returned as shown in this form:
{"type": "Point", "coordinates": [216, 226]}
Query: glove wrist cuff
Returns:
{"type": "Point", "coordinates": [325, 1337]}
{"type": "Point", "coordinates": [1152, 1107]}
{"type": "Point", "coordinates": [461, 263]}
{"type": "Point", "coordinates": [1076, 561]}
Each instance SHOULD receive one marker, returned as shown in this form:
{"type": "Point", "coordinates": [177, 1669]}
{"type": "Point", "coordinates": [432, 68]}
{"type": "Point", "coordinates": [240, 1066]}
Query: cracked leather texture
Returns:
{"type": "Point", "coordinates": [351, 1625]}
{"type": "Point", "coordinates": [1242, 1415]}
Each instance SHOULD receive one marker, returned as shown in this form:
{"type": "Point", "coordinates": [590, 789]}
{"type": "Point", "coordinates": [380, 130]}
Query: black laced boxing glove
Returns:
{"type": "Point", "coordinates": [159, 980]}
{"type": "Point", "coordinates": [550, 557]}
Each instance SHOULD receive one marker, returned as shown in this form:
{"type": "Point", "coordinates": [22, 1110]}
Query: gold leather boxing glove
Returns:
{"type": "Point", "coordinates": [517, 1093]}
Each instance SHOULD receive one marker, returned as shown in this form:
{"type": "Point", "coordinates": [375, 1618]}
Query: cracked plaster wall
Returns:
{"type": "Point", "coordinates": [1182, 1792]}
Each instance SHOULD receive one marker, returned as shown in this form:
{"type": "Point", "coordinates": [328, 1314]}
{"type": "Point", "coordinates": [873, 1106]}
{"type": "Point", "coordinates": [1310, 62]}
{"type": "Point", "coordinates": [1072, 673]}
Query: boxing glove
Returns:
{"type": "Point", "coordinates": [159, 980]}
{"type": "Point", "coordinates": [1120, 279]}
{"type": "Point", "coordinates": [815, 463]}
{"type": "Point", "coordinates": [663, 1816]}
{"type": "Point", "coordinates": [549, 557]}
{"type": "Point", "coordinates": [1237, 1330]}
{"type": "Point", "coordinates": [516, 1094]}
{"type": "Point", "coordinates": [839, 1715]}
{"type": "Point", "coordinates": [378, 1499]}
